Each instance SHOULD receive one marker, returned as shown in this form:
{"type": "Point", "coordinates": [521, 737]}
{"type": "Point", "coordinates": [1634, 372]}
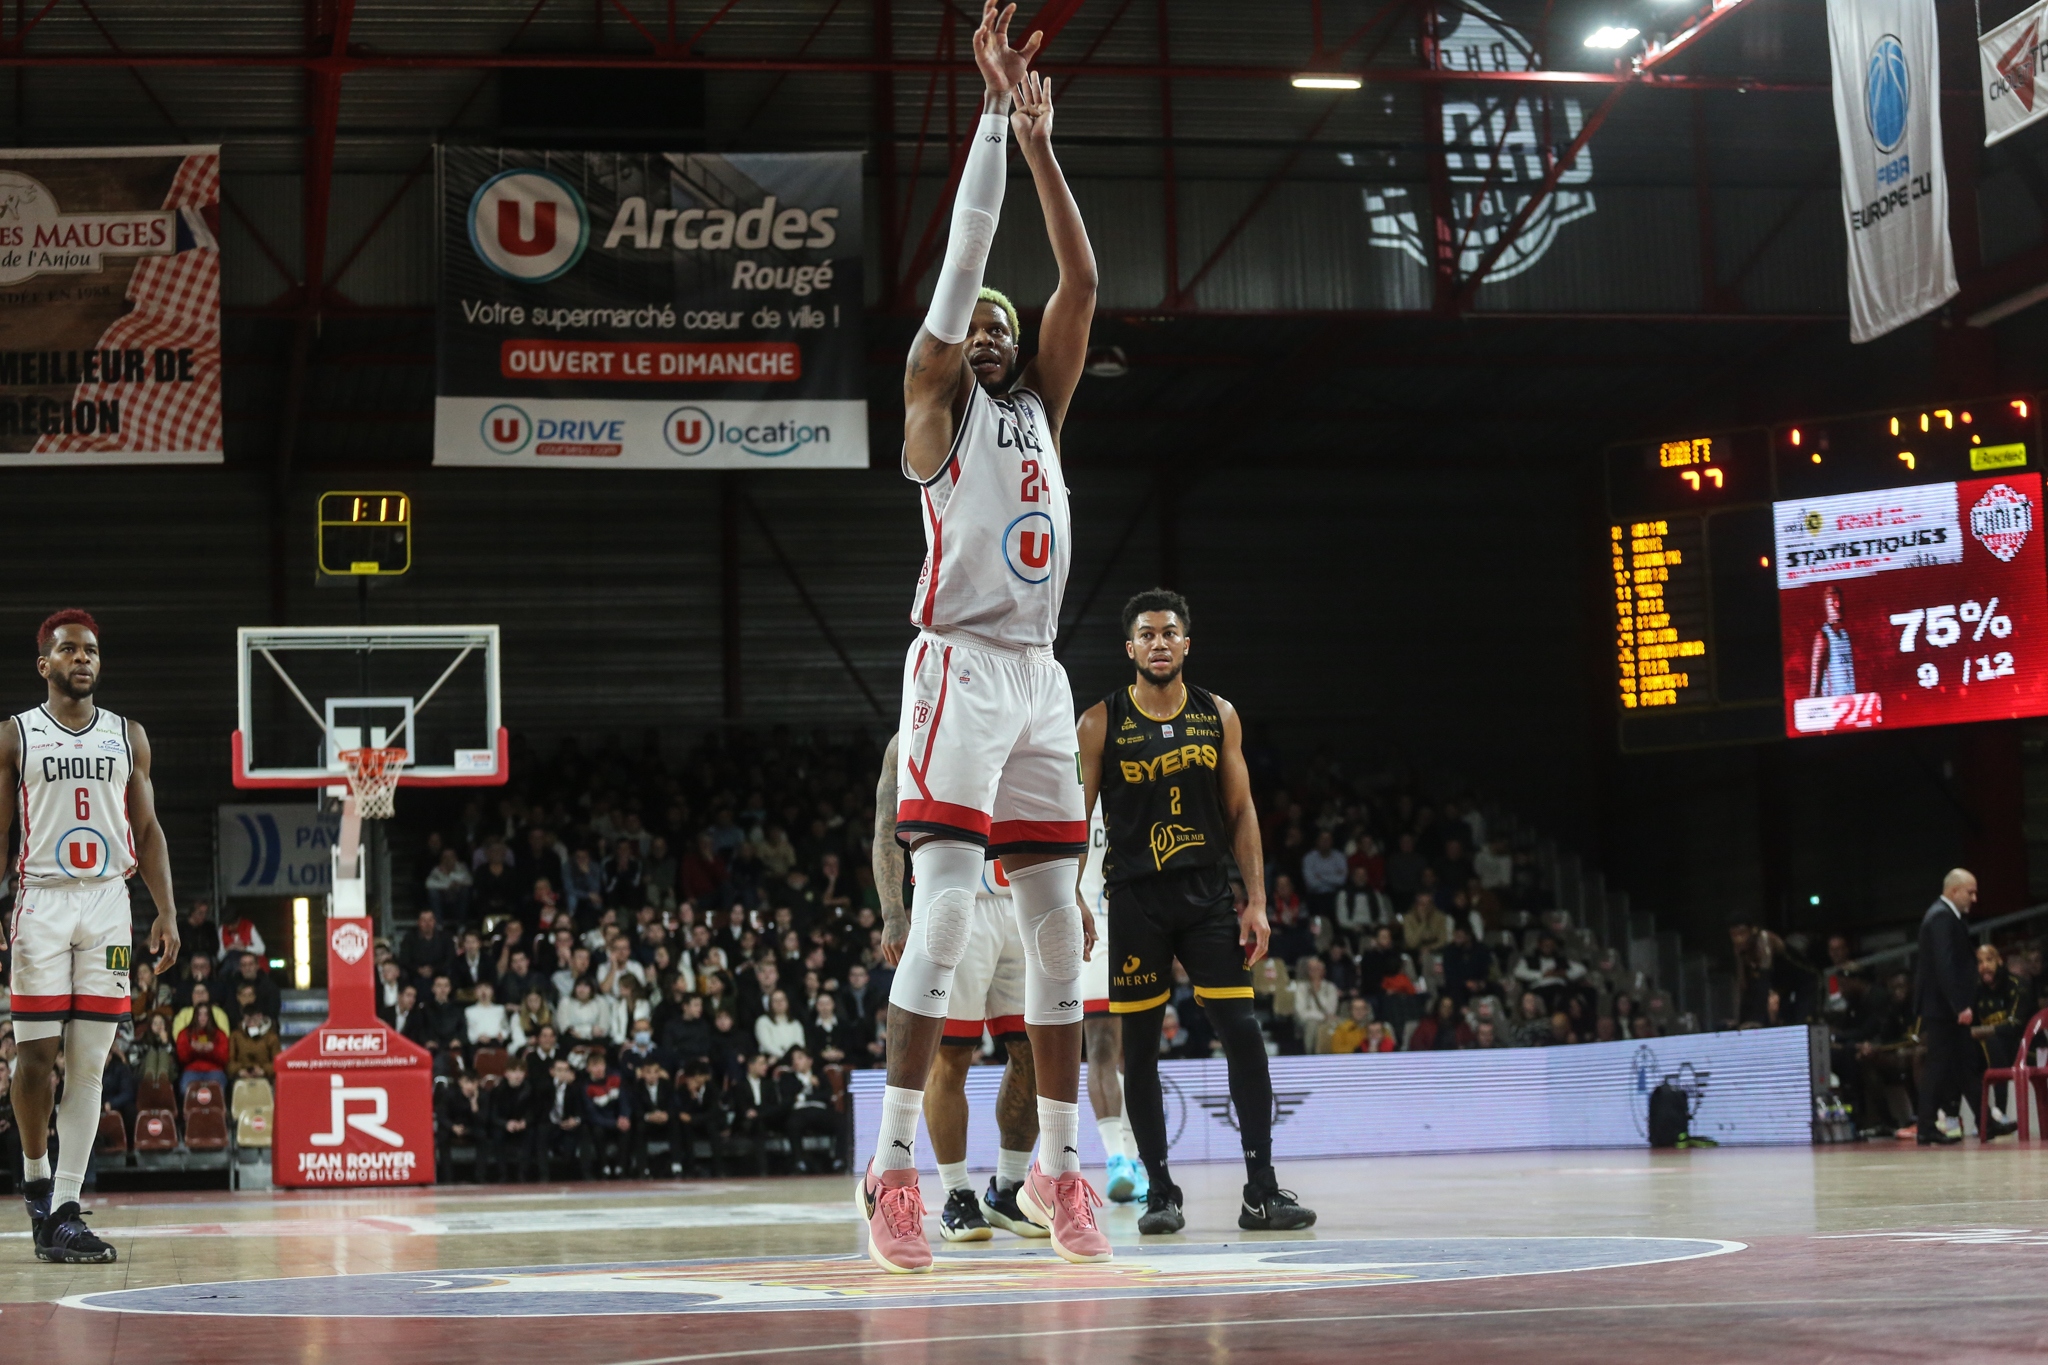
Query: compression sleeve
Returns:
{"type": "Point", "coordinates": [975, 212]}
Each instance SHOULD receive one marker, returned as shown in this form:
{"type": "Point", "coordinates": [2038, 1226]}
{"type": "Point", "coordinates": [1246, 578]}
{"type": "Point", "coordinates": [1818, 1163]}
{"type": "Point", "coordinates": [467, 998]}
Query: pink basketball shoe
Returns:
{"type": "Point", "coordinates": [894, 1208]}
{"type": "Point", "coordinates": [1065, 1206]}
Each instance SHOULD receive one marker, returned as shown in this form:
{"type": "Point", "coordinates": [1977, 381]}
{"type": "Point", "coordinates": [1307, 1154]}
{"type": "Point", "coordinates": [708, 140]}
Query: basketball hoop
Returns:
{"type": "Point", "coordinates": [373, 780]}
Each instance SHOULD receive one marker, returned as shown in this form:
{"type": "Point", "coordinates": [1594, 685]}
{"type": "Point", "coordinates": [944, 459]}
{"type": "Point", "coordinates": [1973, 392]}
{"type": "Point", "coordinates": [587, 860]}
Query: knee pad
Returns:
{"type": "Point", "coordinates": [1050, 924]}
{"type": "Point", "coordinates": [947, 873]}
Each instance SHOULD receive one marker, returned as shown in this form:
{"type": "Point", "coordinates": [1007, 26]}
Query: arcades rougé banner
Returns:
{"type": "Point", "coordinates": [650, 310]}
{"type": "Point", "coordinates": [110, 306]}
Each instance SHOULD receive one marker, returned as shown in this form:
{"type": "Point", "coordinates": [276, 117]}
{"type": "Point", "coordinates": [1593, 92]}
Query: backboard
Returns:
{"type": "Point", "coordinates": [306, 693]}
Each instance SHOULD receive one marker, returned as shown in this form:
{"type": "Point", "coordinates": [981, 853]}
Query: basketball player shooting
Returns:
{"type": "Point", "coordinates": [986, 748]}
{"type": "Point", "coordinates": [88, 816]}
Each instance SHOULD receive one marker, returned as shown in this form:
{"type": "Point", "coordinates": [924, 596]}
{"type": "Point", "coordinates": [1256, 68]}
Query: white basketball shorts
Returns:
{"type": "Point", "coordinates": [987, 752]}
{"type": "Point", "coordinates": [988, 985]}
{"type": "Point", "coordinates": [72, 950]}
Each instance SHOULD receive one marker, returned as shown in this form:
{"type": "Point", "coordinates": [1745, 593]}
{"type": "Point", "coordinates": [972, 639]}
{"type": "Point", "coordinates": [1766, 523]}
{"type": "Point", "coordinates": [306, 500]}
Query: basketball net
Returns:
{"type": "Point", "coordinates": [373, 780]}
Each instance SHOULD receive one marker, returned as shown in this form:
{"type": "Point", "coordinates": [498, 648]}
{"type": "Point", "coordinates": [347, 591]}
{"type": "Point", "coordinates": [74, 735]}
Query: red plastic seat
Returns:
{"type": "Point", "coordinates": [206, 1130]}
{"type": "Point", "coordinates": [156, 1130]}
{"type": "Point", "coordinates": [490, 1061]}
{"type": "Point", "coordinates": [113, 1138]}
{"type": "Point", "coordinates": [155, 1093]}
{"type": "Point", "coordinates": [205, 1096]}
{"type": "Point", "coordinates": [2023, 1075]}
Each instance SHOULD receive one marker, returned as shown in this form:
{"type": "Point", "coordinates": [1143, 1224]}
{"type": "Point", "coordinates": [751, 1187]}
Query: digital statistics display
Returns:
{"type": "Point", "coordinates": [1917, 605]}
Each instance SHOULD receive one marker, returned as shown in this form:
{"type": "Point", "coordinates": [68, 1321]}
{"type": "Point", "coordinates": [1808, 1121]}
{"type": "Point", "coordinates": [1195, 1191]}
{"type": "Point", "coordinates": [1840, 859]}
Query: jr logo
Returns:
{"type": "Point", "coordinates": [1028, 545]}
{"type": "Point", "coordinates": [370, 1124]}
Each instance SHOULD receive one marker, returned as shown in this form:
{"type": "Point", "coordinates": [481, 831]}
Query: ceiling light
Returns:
{"type": "Point", "coordinates": [1610, 36]}
{"type": "Point", "coordinates": [1326, 80]}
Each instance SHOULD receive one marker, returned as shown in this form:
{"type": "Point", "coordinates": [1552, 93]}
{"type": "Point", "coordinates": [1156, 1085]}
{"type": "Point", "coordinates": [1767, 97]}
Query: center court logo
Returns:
{"type": "Point", "coordinates": [528, 225]}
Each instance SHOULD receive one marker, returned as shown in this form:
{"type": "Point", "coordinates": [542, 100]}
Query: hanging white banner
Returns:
{"type": "Point", "coordinates": [2009, 58]}
{"type": "Point", "coordinates": [1887, 83]}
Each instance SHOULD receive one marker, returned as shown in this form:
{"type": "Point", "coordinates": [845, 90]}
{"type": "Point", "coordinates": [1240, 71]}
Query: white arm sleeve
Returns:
{"type": "Point", "coordinates": [975, 212]}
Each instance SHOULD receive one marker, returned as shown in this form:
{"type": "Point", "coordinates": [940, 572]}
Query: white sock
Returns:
{"type": "Point", "coordinates": [86, 1045]}
{"type": "Point", "coordinates": [1011, 1168]}
{"type": "Point", "coordinates": [1113, 1132]}
{"type": "Point", "coordinates": [896, 1143]}
{"type": "Point", "coordinates": [953, 1176]}
{"type": "Point", "coordinates": [1059, 1136]}
{"type": "Point", "coordinates": [35, 1167]}
{"type": "Point", "coordinates": [1130, 1137]}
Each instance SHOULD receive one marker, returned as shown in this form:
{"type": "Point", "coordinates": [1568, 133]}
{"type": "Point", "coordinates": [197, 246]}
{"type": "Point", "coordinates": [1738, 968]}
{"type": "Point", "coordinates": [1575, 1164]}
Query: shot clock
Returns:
{"type": "Point", "coordinates": [365, 535]}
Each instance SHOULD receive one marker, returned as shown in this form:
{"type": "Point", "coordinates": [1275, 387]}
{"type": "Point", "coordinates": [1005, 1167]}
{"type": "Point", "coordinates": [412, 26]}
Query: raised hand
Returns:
{"type": "Point", "coordinates": [1002, 67]}
{"type": "Point", "coordinates": [1031, 120]}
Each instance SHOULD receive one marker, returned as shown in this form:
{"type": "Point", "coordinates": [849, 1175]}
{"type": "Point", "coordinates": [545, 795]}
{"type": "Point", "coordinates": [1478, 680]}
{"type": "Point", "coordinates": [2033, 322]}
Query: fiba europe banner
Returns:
{"type": "Point", "coordinates": [1887, 85]}
{"type": "Point", "coordinates": [110, 306]}
{"type": "Point", "coordinates": [650, 310]}
{"type": "Point", "coordinates": [2009, 59]}
{"type": "Point", "coordinates": [1742, 1089]}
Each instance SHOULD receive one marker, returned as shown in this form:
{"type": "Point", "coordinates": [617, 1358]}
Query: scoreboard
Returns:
{"type": "Point", "coordinates": [1769, 581]}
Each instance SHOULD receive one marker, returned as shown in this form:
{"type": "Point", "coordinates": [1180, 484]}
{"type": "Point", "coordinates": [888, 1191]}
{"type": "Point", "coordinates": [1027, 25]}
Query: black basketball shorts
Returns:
{"type": "Point", "coordinates": [1190, 915]}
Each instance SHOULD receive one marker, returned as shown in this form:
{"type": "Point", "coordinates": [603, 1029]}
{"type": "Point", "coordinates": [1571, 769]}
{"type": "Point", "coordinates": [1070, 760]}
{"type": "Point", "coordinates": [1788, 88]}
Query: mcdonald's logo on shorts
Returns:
{"type": "Point", "coordinates": [118, 957]}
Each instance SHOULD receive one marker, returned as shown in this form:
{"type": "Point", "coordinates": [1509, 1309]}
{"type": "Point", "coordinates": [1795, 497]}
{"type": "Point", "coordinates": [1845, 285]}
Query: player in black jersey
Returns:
{"type": "Point", "coordinates": [1167, 760]}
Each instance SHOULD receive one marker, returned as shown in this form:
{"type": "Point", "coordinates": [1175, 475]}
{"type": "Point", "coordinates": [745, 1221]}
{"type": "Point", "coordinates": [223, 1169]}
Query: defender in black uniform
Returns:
{"type": "Point", "coordinates": [1167, 759]}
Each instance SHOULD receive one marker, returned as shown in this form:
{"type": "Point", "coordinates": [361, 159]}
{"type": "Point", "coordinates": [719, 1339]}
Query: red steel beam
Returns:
{"type": "Point", "coordinates": [1052, 17]}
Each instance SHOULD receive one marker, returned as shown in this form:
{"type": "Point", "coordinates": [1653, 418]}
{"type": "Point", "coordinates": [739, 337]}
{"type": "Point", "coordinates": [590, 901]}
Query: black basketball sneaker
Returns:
{"type": "Point", "coordinates": [1162, 1211]}
{"type": "Point", "coordinates": [65, 1238]}
{"type": "Point", "coordinates": [999, 1207]}
{"type": "Point", "coordinates": [961, 1220]}
{"type": "Point", "coordinates": [1268, 1208]}
{"type": "Point", "coordinates": [36, 1195]}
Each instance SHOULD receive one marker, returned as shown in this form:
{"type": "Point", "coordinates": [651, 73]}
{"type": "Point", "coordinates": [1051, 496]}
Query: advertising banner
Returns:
{"type": "Point", "coordinates": [1743, 1089]}
{"type": "Point", "coordinates": [355, 1101]}
{"type": "Point", "coordinates": [2009, 59]}
{"type": "Point", "coordinates": [277, 850]}
{"type": "Point", "coordinates": [650, 310]}
{"type": "Point", "coordinates": [1887, 89]}
{"type": "Point", "coordinates": [110, 306]}
{"type": "Point", "coordinates": [1913, 606]}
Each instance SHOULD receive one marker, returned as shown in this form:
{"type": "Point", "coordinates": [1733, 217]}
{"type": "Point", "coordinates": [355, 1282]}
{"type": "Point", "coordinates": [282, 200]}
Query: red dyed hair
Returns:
{"type": "Point", "coordinates": [46, 633]}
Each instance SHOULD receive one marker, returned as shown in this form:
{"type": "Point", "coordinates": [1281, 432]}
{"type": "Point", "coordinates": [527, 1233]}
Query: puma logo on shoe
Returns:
{"type": "Point", "coordinates": [1069, 1149]}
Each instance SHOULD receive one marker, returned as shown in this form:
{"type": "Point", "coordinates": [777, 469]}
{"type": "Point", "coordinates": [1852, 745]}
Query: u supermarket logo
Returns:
{"type": "Point", "coordinates": [528, 225]}
{"type": "Point", "coordinates": [689, 431]}
{"type": "Point", "coordinates": [82, 852]}
{"type": "Point", "coordinates": [506, 429]}
{"type": "Point", "coordinates": [1027, 547]}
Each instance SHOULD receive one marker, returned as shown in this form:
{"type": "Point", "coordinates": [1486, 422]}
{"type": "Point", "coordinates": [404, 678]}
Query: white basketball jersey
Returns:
{"type": "Point", "coordinates": [74, 800]}
{"type": "Point", "coordinates": [995, 527]}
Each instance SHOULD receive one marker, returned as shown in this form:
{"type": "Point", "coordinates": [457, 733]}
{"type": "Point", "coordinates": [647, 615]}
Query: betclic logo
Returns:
{"type": "Point", "coordinates": [528, 225]}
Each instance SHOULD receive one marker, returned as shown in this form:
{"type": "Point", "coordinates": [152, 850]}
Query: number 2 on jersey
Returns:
{"type": "Point", "coordinates": [1174, 794]}
{"type": "Point", "coordinates": [1034, 483]}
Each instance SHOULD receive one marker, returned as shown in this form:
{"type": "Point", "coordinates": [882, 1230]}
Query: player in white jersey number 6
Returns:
{"type": "Point", "coordinates": [78, 777]}
{"type": "Point", "coordinates": [986, 748]}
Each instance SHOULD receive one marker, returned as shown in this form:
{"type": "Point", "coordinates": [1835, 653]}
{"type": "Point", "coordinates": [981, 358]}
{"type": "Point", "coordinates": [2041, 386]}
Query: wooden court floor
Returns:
{"type": "Point", "coordinates": [1855, 1254]}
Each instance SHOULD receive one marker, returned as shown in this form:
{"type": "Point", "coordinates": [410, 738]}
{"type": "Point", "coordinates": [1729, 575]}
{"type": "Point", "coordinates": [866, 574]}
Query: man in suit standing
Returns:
{"type": "Point", "coordinates": [1944, 989]}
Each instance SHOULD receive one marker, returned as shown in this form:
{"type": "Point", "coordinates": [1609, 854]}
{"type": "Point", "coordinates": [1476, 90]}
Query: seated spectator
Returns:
{"type": "Point", "coordinates": [249, 970]}
{"type": "Point", "coordinates": [252, 1055]}
{"type": "Point", "coordinates": [443, 1015]}
{"type": "Point", "coordinates": [658, 875]}
{"type": "Point", "coordinates": [239, 937]}
{"type": "Point", "coordinates": [456, 1123]}
{"type": "Point", "coordinates": [202, 1006]}
{"type": "Point", "coordinates": [1324, 872]}
{"type": "Point", "coordinates": [1284, 897]}
{"type": "Point", "coordinates": [1293, 933]}
{"type": "Point", "coordinates": [656, 1118]}
{"type": "Point", "coordinates": [148, 996]}
{"type": "Point", "coordinates": [543, 1050]}
{"type": "Point", "coordinates": [1547, 971]}
{"type": "Point", "coordinates": [565, 1136]}
{"type": "Point", "coordinates": [1174, 1042]}
{"type": "Point", "coordinates": [618, 966]}
{"type": "Point", "coordinates": [608, 1114]}
{"type": "Point", "coordinates": [700, 1113]}
{"type": "Point", "coordinates": [775, 1031]}
{"type": "Point", "coordinates": [1443, 1030]}
{"type": "Point", "coordinates": [155, 1052]}
{"type": "Point", "coordinates": [1379, 1037]}
{"type": "Point", "coordinates": [623, 888]}
{"type": "Point", "coordinates": [583, 888]}
{"type": "Point", "coordinates": [449, 885]}
{"type": "Point", "coordinates": [202, 1050]}
{"type": "Point", "coordinates": [472, 967]}
{"type": "Point", "coordinates": [576, 967]}
{"type": "Point", "coordinates": [1348, 1034]}
{"type": "Point", "coordinates": [1486, 1034]}
{"type": "Point", "coordinates": [583, 1017]}
{"type": "Point", "coordinates": [1360, 909]}
{"type": "Point", "coordinates": [1468, 967]}
{"type": "Point", "coordinates": [1494, 866]}
{"type": "Point", "coordinates": [828, 1037]}
{"type": "Point", "coordinates": [487, 1023]}
{"type": "Point", "coordinates": [1532, 1024]}
{"type": "Point", "coordinates": [198, 971]}
{"type": "Point", "coordinates": [496, 888]}
{"type": "Point", "coordinates": [118, 1090]}
{"type": "Point", "coordinates": [701, 875]}
{"type": "Point", "coordinates": [1425, 928]}
{"type": "Point", "coordinates": [244, 1002]}
{"type": "Point", "coordinates": [835, 888]}
{"type": "Point", "coordinates": [755, 1103]}
{"type": "Point", "coordinates": [534, 1014]}
{"type": "Point", "coordinates": [1315, 1002]}
{"type": "Point", "coordinates": [510, 1133]}
{"type": "Point", "coordinates": [389, 978]}
{"type": "Point", "coordinates": [807, 1100]}
{"type": "Point", "coordinates": [519, 979]}
{"type": "Point", "coordinates": [427, 951]}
